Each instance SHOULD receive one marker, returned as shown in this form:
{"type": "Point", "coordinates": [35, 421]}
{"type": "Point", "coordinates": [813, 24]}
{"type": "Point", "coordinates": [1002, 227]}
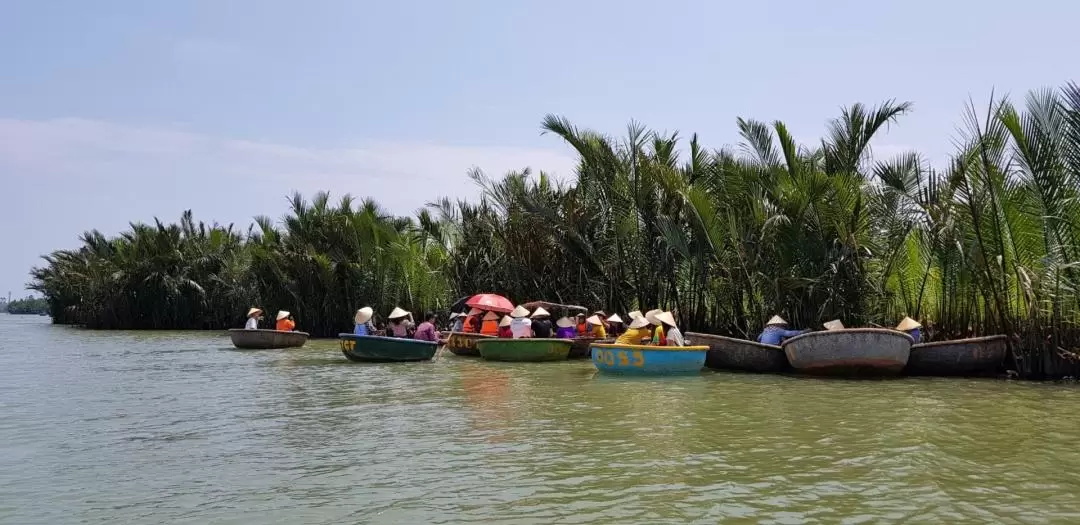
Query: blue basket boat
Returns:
{"type": "Point", "coordinates": [648, 360]}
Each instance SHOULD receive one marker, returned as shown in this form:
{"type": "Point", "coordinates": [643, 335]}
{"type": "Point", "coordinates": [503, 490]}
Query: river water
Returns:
{"type": "Point", "coordinates": [177, 427]}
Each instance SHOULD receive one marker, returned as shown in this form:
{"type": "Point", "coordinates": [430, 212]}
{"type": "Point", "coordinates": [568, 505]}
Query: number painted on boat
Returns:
{"type": "Point", "coordinates": [347, 344]}
{"type": "Point", "coordinates": [626, 358]}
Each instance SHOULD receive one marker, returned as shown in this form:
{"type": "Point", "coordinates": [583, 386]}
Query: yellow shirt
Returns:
{"type": "Point", "coordinates": [599, 331]}
{"type": "Point", "coordinates": [633, 336]}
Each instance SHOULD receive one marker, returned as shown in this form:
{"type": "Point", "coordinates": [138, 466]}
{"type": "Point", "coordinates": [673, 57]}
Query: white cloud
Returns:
{"type": "Point", "coordinates": [70, 175]}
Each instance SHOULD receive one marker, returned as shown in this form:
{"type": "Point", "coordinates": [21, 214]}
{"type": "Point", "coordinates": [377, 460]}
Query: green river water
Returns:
{"type": "Point", "coordinates": [177, 427]}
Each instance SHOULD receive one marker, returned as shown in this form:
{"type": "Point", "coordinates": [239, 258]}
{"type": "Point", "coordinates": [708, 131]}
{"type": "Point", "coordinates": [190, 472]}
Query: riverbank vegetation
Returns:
{"type": "Point", "coordinates": [986, 244]}
{"type": "Point", "coordinates": [27, 306]}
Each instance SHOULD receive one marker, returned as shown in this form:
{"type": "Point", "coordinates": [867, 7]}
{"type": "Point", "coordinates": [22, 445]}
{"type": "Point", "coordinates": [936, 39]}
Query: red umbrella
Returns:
{"type": "Point", "coordinates": [490, 301]}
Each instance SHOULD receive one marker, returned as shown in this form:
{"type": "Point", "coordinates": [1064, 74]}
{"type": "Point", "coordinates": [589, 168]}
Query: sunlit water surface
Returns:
{"type": "Point", "coordinates": [177, 427]}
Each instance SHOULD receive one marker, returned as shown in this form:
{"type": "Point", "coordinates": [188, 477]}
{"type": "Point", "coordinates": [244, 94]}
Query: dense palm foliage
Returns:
{"type": "Point", "coordinates": [726, 238]}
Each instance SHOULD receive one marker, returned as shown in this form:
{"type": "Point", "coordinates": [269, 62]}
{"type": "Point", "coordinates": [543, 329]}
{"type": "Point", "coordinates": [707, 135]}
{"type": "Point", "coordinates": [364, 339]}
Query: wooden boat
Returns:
{"type": "Point", "coordinates": [377, 349]}
{"type": "Point", "coordinates": [580, 347]}
{"type": "Point", "coordinates": [729, 353]}
{"type": "Point", "coordinates": [850, 351]}
{"type": "Point", "coordinates": [462, 343]}
{"type": "Point", "coordinates": [266, 339]}
{"type": "Point", "coordinates": [977, 356]}
{"type": "Point", "coordinates": [530, 349]}
{"type": "Point", "coordinates": [647, 359]}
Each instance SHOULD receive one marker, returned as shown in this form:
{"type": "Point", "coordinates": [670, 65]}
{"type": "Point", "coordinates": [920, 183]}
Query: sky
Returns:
{"type": "Point", "coordinates": [114, 112]}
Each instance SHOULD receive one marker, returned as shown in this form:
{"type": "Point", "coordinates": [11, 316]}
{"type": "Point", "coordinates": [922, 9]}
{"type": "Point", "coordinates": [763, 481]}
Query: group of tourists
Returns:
{"type": "Point", "coordinates": [776, 330]}
{"type": "Point", "coordinates": [655, 327]}
{"type": "Point", "coordinates": [285, 321]}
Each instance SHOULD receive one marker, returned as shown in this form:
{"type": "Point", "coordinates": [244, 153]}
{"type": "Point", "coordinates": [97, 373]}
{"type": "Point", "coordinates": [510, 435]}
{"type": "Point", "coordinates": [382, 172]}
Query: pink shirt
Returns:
{"type": "Point", "coordinates": [426, 332]}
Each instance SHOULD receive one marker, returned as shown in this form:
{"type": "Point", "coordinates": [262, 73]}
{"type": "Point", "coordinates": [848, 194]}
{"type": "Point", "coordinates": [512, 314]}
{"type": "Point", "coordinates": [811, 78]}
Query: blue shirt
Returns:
{"type": "Point", "coordinates": [774, 335]}
{"type": "Point", "coordinates": [915, 334]}
{"type": "Point", "coordinates": [360, 329]}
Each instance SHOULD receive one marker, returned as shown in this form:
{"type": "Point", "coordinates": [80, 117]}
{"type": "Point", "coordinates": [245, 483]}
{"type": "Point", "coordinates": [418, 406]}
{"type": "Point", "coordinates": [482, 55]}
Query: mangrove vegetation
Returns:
{"type": "Point", "coordinates": [726, 238]}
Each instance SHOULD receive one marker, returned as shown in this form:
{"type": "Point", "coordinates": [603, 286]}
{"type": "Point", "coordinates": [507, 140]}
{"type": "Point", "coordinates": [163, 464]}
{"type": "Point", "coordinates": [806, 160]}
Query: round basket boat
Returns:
{"type": "Point", "coordinates": [266, 339]}
{"type": "Point", "coordinates": [729, 353]}
{"type": "Point", "coordinates": [850, 352]}
{"type": "Point", "coordinates": [377, 349]}
{"type": "Point", "coordinates": [647, 359]}
{"type": "Point", "coordinates": [580, 349]}
{"type": "Point", "coordinates": [524, 349]}
{"type": "Point", "coordinates": [464, 344]}
{"type": "Point", "coordinates": [977, 356]}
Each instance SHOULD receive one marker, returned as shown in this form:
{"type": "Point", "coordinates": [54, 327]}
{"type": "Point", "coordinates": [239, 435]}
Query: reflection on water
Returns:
{"type": "Point", "coordinates": [151, 427]}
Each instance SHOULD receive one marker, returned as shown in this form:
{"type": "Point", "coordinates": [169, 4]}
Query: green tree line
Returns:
{"type": "Point", "coordinates": [28, 305]}
{"type": "Point", "coordinates": [725, 238]}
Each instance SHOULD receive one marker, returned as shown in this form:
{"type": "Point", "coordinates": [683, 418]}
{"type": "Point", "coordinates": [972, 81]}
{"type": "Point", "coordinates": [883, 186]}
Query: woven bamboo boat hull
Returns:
{"type": "Point", "coordinates": [266, 339]}
{"type": "Point", "coordinates": [464, 344]}
{"type": "Point", "coordinates": [849, 352]}
{"type": "Point", "coordinates": [524, 349]}
{"type": "Point", "coordinates": [581, 346]}
{"type": "Point", "coordinates": [728, 353]}
{"type": "Point", "coordinates": [977, 356]}
{"type": "Point", "coordinates": [376, 349]}
{"type": "Point", "coordinates": [648, 360]}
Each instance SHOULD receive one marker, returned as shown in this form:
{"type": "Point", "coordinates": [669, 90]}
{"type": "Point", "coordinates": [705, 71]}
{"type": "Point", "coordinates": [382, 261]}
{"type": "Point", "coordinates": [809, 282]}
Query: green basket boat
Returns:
{"type": "Point", "coordinates": [377, 349]}
{"type": "Point", "coordinates": [525, 349]}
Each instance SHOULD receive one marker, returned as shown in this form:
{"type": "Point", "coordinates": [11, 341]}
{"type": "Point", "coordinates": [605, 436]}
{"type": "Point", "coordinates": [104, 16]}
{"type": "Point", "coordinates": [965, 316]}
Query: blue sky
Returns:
{"type": "Point", "coordinates": [115, 111]}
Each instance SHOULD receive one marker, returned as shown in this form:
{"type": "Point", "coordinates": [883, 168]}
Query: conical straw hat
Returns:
{"type": "Point", "coordinates": [491, 316]}
{"type": "Point", "coordinates": [282, 314]}
{"type": "Point", "coordinates": [667, 318]}
{"type": "Point", "coordinates": [506, 321]}
{"type": "Point", "coordinates": [776, 320]}
{"type": "Point", "coordinates": [254, 311]}
{"type": "Point", "coordinates": [600, 313]}
{"type": "Point", "coordinates": [363, 315]}
{"type": "Point", "coordinates": [615, 319]}
{"type": "Point", "coordinates": [398, 313]}
{"type": "Point", "coordinates": [908, 324]}
{"type": "Point", "coordinates": [564, 322]}
{"type": "Point", "coordinates": [520, 311]}
{"type": "Point", "coordinates": [474, 311]}
{"type": "Point", "coordinates": [540, 312]}
{"type": "Point", "coordinates": [635, 314]}
{"type": "Point", "coordinates": [834, 325]}
{"type": "Point", "coordinates": [639, 322]}
{"type": "Point", "coordinates": [650, 316]}
{"type": "Point", "coordinates": [594, 320]}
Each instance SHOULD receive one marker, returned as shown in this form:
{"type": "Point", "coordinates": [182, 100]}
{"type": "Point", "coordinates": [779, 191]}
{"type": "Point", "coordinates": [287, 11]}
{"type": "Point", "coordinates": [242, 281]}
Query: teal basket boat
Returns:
{"type": "Point", "coordinates": [648, 359]}
{"type": "Point", "coordinates": [377, 349]}
{"type": "Point", "coordinates": [525, 349]}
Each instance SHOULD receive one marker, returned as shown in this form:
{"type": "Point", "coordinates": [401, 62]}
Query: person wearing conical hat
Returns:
{"type": "Point", "coordinates": [504, 327]}
{"type": "Point", "coordinates": [253, 316]}
{"type": "Point", "coordinates": [566, 328]}
{"type": "Point", "coordinates": [490, 324]}
{"type": "Point", "coordinates": [362, 321]}
{"type": "Point", "coordinates": [400, 323]}
{"type": "Point", "coordinates": [671, 330]}
{"type": "Point", "coordinates": [595, 327]}
{"type": "Point", "coordinates": [615, 325]}
{"type": "Point", "coordinates": [457, 322]}
{"type": "Point", "coordinates": [638, 332]}
{"type": "Point", "coordinates": [285, 321]}
{"type": "Point", "coordinates": [541, 323]}
{"type": "Point", "coordinates": [776, 331]}
{"type": "Point", "coordinates": [582, 326]}
{"type": "Point", "coordinates": [658, 335]}
{"type": "Point", "coordinates": [911, 327]}
{"type": "Point", "coordinates": [520, 325]}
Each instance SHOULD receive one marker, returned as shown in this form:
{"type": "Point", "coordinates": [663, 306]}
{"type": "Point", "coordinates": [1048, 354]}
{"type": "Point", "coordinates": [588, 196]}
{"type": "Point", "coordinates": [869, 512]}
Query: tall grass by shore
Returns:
{"type": "Point", "coordinates": [986, 244]}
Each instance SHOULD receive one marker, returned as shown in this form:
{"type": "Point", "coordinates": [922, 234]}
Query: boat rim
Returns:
{"type": "Point", "coordinates": [266, 331]}
{"type": "Point", "coordinates": [966, 340]}
{"type": "Point", "coordinates": [823, 333]}
{"type": "Point", "coordinates": [733, 339]}
{"type": "Point", "coordinates": [653, 348]}
{"type": "Point", "coordinates": [526, 339]}
{"type": "Point", "coordinates": [386, 338]}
